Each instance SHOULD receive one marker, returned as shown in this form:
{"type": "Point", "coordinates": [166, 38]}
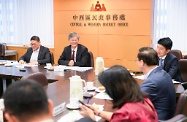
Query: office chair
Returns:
{"type": "Point", "coordinates": [182, 104]}
{"type": "Point", "coordinates": [181, 111]}
{"type": "Point", "coordinates": [52, 58]}
{"type": "Point", "coordinates": [2, 51]}
{"type": "Point", "coordinates": [5, 53]}
{"type": "Point", "coordinates": [185, 57]}
{"type": "Point", "coordinates": [177, 53]}
{"type": "Point", "coordinates": [38, 76]}
{"type": "Point", "coordinates": [90, 59]}
{"type": "Point", "coordinates": [183, 71]}
{"type": "Point", "coordinates": [177, 118]}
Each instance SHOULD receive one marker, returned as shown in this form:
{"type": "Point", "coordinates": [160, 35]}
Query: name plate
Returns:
{"type": "Point", "coordinates": [59, 109]}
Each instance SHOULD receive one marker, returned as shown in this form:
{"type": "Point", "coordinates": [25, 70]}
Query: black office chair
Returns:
{"type": "Point", "coordinates": [183, 71]}
{"type": "Point", "coordinates": [90, 59]}
{"type": "Point", "coordinates": [2, 51]}
{"type": "Point", "coordinates": [52, 58]}
{"type": "Point", "coordinates": [177, 53]}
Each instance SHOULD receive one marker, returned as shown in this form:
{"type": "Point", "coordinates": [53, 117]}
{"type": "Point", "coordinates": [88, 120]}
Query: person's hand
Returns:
{"type": "Point", "coordinates": [71, 63]}
{"type": "Point", "coordinates": [85, 111]}
{"type": "Point", "coordinates": [21, 62]}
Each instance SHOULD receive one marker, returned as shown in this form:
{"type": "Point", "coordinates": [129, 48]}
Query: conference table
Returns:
{"type": "Point", "coordinates": [58, 89]}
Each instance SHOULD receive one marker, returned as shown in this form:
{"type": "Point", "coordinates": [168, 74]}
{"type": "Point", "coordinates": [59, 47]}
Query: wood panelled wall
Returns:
{"type": "Point", "coordinates": [117, 45]}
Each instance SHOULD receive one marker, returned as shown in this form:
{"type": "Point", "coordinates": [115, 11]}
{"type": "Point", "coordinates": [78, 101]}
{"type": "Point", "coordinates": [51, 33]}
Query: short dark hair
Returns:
{"type": "Point", "coordinates": [120, 86]}
{"type": "Point", "coordinates": [26, 99]}
{"type": "Point", "coordinates": [36, 38]}
{"type": "Point", "coordinates": [166, 42]}
{"type": "Point", "coordinates": [148, 55]}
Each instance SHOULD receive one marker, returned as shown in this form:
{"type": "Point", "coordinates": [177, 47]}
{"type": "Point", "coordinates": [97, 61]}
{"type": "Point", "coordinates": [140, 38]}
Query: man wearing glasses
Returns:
{"type": "Point", "coordinates": [36, 54]}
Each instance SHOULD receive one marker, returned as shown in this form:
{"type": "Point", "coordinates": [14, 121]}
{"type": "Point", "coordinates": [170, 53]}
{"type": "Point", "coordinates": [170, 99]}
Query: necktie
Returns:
{"type": "Point", "coordinates": [73, 55]}
{"type": "Point", "coordinates": [160, 62]}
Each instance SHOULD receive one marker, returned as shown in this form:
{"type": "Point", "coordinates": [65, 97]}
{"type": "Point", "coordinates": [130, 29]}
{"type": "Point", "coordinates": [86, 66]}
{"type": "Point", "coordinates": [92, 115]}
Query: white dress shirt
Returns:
{"type": "Point", "coordinates": [34, 56]}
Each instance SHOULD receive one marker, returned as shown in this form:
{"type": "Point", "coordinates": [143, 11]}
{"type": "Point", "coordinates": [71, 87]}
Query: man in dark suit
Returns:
{"type": "Point", "coordinates": [75, 54]}
{"type": "Point", "coordinates": [36, 54]}
{"type": "Point", "coordinates": [157, 83]}
{"type": "Point", "coordinates": [168, 61]}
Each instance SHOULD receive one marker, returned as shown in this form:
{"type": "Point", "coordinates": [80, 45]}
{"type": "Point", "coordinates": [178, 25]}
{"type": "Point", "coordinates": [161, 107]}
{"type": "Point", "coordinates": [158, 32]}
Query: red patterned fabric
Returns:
{"type": "Point", "coordinates": [136, 112]}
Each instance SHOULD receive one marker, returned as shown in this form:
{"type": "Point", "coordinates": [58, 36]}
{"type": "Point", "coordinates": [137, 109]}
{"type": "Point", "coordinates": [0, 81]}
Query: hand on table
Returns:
{"type": "Point", "coordinates": [71, 63]}
{"type": "Point", "coordinates": [21, 62]}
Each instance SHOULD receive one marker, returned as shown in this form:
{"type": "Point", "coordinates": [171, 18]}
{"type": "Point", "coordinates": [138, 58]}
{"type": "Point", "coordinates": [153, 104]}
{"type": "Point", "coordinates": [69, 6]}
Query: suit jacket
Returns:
{"type": "Point", "coordinates": [161, 91]}
{"type": "Point", "coordinates": [43, 56]}
{"type": "Point", "coordinates": [81, 56]}
{"type": "Point", "coordinates": [171, 66]}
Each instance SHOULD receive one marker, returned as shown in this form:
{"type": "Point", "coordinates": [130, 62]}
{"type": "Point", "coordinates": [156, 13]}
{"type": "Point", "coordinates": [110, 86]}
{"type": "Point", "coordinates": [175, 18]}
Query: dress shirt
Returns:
{"type": "Point", "coordinates": [75, 53]}
{"type": "Point", "coordinates": [34, 56]}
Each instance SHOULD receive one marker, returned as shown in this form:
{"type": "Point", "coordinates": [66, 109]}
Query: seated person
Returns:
{"type": "Point", "coordinates": [36, 54]}
{"type": "Point", "coordinates": [127, 98]}
{"type": "Point", "coordinates": [75, 54]}
{"type": "Point", "coordinates": [157, 83]}
{"type": "Point", "coordinates": [26, 101]}
{"type": "Point", "coordinates": [169, 61]}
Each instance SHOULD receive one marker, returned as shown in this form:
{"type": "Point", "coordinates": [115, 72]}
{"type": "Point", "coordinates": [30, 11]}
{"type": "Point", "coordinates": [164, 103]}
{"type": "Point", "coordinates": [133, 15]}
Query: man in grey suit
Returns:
{"type": "Point", "coordinates": [75, 54]}
{"type": "Point", "coordinates": [157, 83]}
{"type": "Point", "coordinates": [36, 54]}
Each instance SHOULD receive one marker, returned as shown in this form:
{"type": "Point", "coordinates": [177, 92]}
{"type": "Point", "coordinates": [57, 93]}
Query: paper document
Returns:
{"type": "Point", "coordinates": [141, 77]}
{"type": "Point", "coordinates": [103, 95]}
{"type": "Point", "coordinates": [175, 82]}
{"type": "Point", "coordinates": [80, 69]}
{"type": "Point", "coordinates": [75, 115]}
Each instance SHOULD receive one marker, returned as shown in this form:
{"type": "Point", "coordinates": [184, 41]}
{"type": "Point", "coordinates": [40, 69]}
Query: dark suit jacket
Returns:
{"type": "Point", "coordinates": [161, 90]}
{"type": "Point", "coordinates": [81, 56]}
{"type": "Point", "coordinates": [171, 66]}
{"type": "Point", "coordinates": [43, 56]}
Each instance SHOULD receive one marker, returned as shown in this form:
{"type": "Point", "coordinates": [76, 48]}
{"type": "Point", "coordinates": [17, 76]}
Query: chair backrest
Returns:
{"type": "Point", "coordinates": [182, 104]}
{"type": "Point", "coordinates": [183, 69]}
{"type": "Point", "coordinates": [2, 49]}
{"type": "Point", "coordinates": [177, 53]}
{"type": "Point", "coordinates": [185, 57]}
{"type": "Point", "coordinates": [90, 59]}
{"type": "Point", "coordinates": [38, 76]}
{"type": "Point", "coordinates": [177, 118]}
{"type": "Point", "coordinates": [52, 58]}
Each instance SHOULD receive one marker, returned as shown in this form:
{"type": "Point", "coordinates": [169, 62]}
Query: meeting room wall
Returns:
{"type": "Point", "coordinates": [116, 44]}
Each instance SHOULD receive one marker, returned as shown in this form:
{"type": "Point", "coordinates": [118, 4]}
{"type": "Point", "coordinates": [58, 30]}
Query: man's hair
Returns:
{"type": "Point", "coordinates": [73, 34]}
{"type": "Point", "coordinates": [166, 42]}
{"type": "Point", "coordinates": [120, 86]}
{"type": "Point", "coordinates": [36, 38]}
{"type": "Point", "coordinates": [26, 99]}
{"type": "Point", "coordinates": [148, 55]}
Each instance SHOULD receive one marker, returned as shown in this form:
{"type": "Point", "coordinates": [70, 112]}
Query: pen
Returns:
{"type": "Point", "coordinates": [88, 100]}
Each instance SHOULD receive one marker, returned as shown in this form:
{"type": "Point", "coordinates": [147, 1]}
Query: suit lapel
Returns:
{"type": "Point", "coordinates": [40, 52]}
{"type": "Point", "coordinates": [78, 51]}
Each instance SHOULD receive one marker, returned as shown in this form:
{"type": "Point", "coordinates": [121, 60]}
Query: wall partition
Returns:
{"type": "Point", "coordinates": [114, 30]}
